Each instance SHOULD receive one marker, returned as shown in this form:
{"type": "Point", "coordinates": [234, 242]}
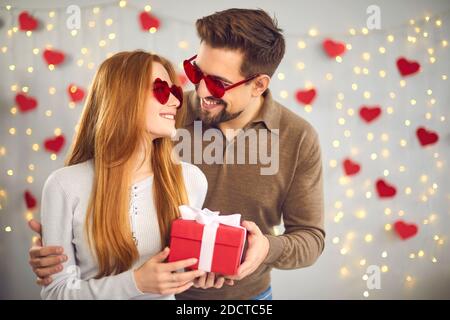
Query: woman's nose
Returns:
{"type": "Point", "coordinates": [173, 101]}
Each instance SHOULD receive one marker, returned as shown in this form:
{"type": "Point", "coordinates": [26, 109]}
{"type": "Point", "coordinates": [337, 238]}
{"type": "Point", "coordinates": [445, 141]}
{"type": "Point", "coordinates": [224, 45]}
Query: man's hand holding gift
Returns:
{"type": "Point", "coordinates": [258, 248]}
{"type": "Point", "coordinates": [212, 280]}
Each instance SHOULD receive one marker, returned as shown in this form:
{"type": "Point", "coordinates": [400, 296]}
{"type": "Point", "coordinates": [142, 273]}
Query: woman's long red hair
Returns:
{"type": "Point", "coordinates": [111, 130]}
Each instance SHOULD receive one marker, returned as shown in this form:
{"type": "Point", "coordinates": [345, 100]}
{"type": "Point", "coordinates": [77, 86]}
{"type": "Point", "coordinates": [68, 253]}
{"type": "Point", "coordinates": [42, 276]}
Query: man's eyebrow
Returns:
{"type": "Point", "coordinates": [216, 77]}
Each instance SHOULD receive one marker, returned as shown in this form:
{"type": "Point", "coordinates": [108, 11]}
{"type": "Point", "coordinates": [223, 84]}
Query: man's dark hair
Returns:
{"type": "Point", "coordinates": [253, 32]}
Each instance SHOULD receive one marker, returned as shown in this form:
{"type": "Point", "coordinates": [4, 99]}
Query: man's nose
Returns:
{"type": "Point", "coordinates": [202, 89]}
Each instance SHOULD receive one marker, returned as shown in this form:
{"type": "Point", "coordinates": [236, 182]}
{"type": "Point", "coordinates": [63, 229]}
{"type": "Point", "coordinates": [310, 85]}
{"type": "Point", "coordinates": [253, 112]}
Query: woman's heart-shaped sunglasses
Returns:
{"type": "Point", "coordinates": [162, 91]}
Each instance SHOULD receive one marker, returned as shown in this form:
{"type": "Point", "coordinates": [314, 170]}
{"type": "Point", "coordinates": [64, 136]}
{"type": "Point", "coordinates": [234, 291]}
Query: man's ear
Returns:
{"type": "Point", "coordinates": [260, 84]}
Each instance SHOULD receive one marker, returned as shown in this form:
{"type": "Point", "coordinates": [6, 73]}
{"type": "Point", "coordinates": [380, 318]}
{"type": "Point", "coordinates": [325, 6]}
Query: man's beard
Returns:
{"type": "Point", "coordinates": [213, 121]}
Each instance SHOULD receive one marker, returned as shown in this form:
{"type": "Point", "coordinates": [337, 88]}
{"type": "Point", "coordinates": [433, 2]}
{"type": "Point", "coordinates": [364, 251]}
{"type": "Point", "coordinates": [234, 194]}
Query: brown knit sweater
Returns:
{"type": "Point", "coordinates": [294, 196]}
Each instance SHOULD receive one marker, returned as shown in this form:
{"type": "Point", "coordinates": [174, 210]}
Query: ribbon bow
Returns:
{"type": "Point", "coordinates": [206, 216]}
{"type": "Point", "coordinates": [211, 220]}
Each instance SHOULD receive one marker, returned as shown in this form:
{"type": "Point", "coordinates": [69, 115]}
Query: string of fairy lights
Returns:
{"type": "Point", "coordinates": [343, 242]}
{"type": "Point", "coordinates": [418, 30]}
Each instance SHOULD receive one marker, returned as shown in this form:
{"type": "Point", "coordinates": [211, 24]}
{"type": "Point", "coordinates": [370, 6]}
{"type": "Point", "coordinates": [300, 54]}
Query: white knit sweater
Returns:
{"type": "Point", "coordinates": [63, 213]}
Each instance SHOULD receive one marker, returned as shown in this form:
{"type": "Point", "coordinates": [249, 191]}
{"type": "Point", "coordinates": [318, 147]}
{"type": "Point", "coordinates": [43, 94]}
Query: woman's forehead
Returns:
{"type": "Point", "coordinates": [158, 71]}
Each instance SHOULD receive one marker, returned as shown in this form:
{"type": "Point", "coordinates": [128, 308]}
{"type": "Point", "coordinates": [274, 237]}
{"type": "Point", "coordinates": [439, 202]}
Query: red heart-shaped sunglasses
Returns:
{"type": "Point", "coordinates": [215, 86]}
{"type": "Point", "coordinates": [162, 91]}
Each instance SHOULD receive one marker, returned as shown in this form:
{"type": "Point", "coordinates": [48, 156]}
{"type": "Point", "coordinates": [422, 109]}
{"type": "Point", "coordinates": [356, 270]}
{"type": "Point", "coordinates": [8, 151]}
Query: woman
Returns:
{"type": "Point", "coordinates": [111, 207]}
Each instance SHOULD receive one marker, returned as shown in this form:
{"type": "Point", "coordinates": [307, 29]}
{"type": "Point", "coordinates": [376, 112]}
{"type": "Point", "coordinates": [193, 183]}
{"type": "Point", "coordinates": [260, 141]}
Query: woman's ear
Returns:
{"type": "Point", "coordinates": [260, 84]}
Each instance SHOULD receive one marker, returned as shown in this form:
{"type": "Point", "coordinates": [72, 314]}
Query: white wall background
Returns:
{"type": "Point", "coordinates": [416, 268]}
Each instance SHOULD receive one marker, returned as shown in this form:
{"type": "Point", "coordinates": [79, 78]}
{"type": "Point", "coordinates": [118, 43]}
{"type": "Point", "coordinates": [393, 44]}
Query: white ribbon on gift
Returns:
{"type": "Point", "coordinates": [211, 220]}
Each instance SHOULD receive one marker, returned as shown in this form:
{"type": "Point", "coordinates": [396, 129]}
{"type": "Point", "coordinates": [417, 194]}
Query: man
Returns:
{"type": "Point", "coordinates": [239, 52]}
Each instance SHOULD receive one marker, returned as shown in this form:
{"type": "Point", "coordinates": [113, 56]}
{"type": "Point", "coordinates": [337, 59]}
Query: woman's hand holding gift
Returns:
{"type": "Point", "coordinates": [157, 276]}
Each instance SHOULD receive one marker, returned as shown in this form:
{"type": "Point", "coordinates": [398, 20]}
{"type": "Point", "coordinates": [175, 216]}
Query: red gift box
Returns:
{"type": "Point", "coordinates": [186, 242]}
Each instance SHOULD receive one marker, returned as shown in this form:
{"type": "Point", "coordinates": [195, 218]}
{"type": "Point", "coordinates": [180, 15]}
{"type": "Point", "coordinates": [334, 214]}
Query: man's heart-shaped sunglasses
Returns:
{"type": "Point", "coordinates": [215, 86]}
{"type": "Point", "coordinates": [162, 91]}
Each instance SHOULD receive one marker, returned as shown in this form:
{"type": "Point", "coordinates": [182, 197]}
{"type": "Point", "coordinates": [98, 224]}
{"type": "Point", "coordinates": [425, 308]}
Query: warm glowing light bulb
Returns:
{"type": "Point", "coordinates": [332, 163]}
{"type": "Point", "coordinates": [313, 32]}
{"type": "Point", "coordinates": [368, 238]}
{"type": "Point", "coordinates": [344, 271]}
{"type": "Point", "coordinates": [360, 214]}
{"type": "Point", "coordinates": [301, 44]}
{"type": "Point", "coordinates": [284, 94]}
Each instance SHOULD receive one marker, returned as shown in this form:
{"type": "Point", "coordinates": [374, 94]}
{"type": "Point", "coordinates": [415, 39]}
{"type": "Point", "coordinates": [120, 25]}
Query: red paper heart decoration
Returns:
{"type": "Point", "coordinates": [426, 137]}
{"type": "Point", "coordinates": [405, 230]}
{"type": "Point", "coordinates": [333, 48]}
{"type": "Point", "coordinates": [53, 57]}
{"type": "Point", "coordinates": [54, 144]}
{"type": "Point", "coordinates": [351, 168]}
{"type": "Point", "coordinates": [407, 67]}
{"type": "Point", "coordinates": [368, 114]}
{"type": "Point", "coordinates": [30, 200]}
{"type": "Point", "coordinates": [306, 96]}
{"type": "Point", "coordinates": [27, 22]}
{"type": "Point", "coordinates": [76, 93]}
{"type": "Point", "coordinates": [384, 189]}
{"type": "Point", "coordinates": [25, 103]}
{"type": "Point", "coordinates": [148, 21]}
